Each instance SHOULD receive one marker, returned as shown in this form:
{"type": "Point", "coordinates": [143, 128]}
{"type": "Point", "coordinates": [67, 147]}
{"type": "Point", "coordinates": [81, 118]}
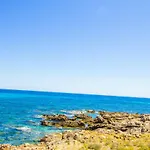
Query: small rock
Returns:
{"type": "Point", "coordinates": [91, 111]}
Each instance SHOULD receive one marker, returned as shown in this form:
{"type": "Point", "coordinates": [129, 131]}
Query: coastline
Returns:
{"type": "Point", "coordinates": [109, 130]}
{"type": "Point", "coordinates": [87, 140]}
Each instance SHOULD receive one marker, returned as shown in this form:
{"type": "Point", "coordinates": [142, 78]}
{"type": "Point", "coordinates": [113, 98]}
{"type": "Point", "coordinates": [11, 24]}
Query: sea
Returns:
{"type": "Point", "coordinates": [21, 111]}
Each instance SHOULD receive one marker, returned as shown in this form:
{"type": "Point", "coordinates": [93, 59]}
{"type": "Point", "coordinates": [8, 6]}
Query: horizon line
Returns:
{"type": "Point", "coordinates": [46, 91]}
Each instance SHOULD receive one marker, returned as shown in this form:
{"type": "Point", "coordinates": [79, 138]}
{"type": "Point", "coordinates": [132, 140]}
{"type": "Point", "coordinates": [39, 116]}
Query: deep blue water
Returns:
{"type": "Point", "coordinates": [20, 111]}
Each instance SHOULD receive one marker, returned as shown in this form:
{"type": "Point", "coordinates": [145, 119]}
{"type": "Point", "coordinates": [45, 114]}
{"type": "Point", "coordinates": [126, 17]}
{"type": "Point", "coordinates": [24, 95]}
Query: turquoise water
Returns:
{"type": "Point", "coordinates": [20, 111]}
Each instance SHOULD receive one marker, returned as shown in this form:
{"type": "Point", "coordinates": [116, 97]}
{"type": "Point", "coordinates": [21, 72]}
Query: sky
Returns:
{"type": "Point", "coordinates": [77, 46]}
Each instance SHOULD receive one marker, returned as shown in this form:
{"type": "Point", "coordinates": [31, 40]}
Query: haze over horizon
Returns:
{"type": "Point", "coordinates": [99, 47]}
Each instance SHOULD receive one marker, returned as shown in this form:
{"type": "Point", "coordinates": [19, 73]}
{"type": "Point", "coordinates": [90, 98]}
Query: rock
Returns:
{"type": "Point", "coordinates": [46, 138]}
{"type": "Point", "coordinates": [91, 111]}
{"type": "Point", "coordinates": [45, 123]}
{"type": "Point", "coordinates": [5, 147]}
{"type": "Point", "coordinates": [146, 126]}
{"type": "Point", "coordinates": [119, 122]}
{"type": "Point", "coordinates": [96, 126]}
{"type": "Point", "coordinates": [69, 135]}
{"type": "Point", "coordinates": [71, 124]}
{"type": "Point", "coordinates": [56, 117]}
{"type": "Point", "coordinates": [68, 123]}
{"type": "Point", "coordinates": [106, 116]}
{"type": "Point", "coordinates": [51, 137]}
{"type": "Point", "coordinates": [99, 119]}
{"type": "Point", "coordinates": [132, 124]}
{"type": "Point", "coordinates": [145, 118]}
{"type": "Point", "coordinates": [123, 129]}
{"type": "Point", "coordinates": [82, 116]}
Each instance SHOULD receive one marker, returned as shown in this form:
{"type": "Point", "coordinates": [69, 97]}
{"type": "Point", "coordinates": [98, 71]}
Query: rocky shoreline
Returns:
{"type": "Point", "coordinates": [108, 130]}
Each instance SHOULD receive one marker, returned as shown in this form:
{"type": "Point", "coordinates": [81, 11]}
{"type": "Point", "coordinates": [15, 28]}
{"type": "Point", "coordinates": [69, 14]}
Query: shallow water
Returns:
{"type": "Point", "coordinates": [20, 111]}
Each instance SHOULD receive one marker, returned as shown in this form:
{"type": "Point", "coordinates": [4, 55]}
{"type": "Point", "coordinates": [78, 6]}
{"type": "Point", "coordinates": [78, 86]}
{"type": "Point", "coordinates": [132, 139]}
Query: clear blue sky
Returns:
{"type": "Point", "coordinates": [83, 46]}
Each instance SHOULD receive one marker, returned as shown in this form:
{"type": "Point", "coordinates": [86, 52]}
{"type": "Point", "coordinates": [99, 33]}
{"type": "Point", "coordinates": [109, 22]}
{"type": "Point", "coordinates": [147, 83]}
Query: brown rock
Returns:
{"type": "Point", "coordinates": [45, 123]}
{"type": "Point", "coordinates": [5, 147]}
{"type": "Point", "coordinates": [99, 119]}
{"type": "Point", "coordinates": [91, 111]}
{"type": "Point", "coordinates": [56, 117]}
{"type": "Point", "coordinates": [82, 116]}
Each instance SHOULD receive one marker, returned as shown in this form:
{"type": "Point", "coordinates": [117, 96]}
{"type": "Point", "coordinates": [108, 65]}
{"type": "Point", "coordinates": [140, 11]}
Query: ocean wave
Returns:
{"type": "Point", "coordinates": [38, 116]}
{"type": "Point", "coordinates": [74, 112]}
{"type": "Point", "coordinates": [24, 129]}
{"type": "Point", "coordinates": [33, 123]}
{"type": "Point", "coordinates": [69, 115]}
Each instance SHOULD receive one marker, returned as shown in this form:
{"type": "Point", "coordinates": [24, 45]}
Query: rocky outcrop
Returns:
{"type": "Point", "coordinates": [122, 122]}
{"type": "Point", "coordinates": [77, 121]}
{"type": "Point", "coordinates": [117, 121]}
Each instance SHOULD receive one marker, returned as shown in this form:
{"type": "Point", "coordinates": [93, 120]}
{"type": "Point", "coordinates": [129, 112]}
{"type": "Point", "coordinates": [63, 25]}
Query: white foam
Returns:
{"type": "Point", "coordinates": [70, 115]}
{"type": "Point", "coordinates": [24, 129]}
{"type": "Point", "coordinates": [74, 112]}
{"type": "Point", "coordinates": [38, 116]}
